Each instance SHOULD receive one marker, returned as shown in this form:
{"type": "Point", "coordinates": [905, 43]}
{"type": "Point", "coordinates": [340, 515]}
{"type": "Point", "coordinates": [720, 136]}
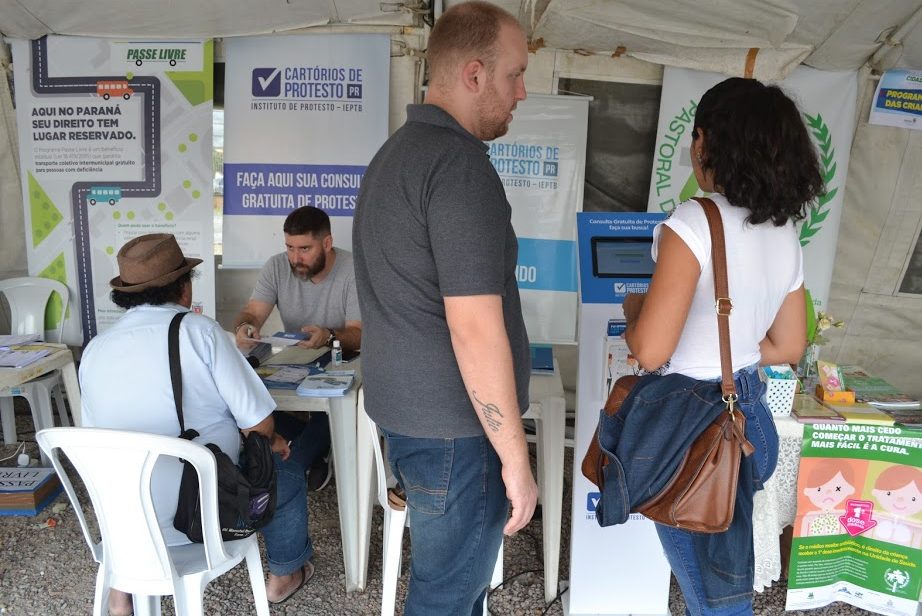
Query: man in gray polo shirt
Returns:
{"type": "Point", "coordinates": [445, 352]}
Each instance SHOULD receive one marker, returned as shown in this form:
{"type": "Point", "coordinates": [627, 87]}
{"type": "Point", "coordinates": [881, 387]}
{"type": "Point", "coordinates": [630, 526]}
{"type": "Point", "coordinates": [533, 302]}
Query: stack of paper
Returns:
{"type": "Point", "coordinates": [8, 340]}
{"type": "Point", "coordinates": [19, 358]}
{"type": "Point", "coordinates": [331, 384]}
{"type": "Point", "coordinates": [876, 391]}
{"type": "Point", "coordinates": [285, 376]}
{"type": "Point", "coordinates": [808, 409]}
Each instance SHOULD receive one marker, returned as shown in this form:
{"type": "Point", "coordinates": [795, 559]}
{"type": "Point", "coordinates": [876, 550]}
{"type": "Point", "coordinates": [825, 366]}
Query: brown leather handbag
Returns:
{"type": "Point", "coordinates": [701, 494]}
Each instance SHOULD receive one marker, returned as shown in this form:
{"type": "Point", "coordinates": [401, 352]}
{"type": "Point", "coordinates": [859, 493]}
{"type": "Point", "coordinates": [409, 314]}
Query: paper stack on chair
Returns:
{"type": "Point", "coordinates": [330, 384]}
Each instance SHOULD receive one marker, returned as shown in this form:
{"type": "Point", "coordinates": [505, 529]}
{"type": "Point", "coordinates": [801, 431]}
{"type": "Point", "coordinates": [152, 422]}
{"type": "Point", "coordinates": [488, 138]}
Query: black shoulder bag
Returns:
{"type": "Point", "coordinates": [246, 496]}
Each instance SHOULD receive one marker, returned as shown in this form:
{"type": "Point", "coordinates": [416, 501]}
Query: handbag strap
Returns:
{"type": "Point", "coordinates": [722, 304]}
{"type": "Point", "coordinates": [176, 371]}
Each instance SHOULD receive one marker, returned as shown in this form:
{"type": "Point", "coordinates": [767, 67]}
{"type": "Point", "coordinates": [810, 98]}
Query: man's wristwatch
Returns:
{"type": "Point", "coordinates": [331, 338]}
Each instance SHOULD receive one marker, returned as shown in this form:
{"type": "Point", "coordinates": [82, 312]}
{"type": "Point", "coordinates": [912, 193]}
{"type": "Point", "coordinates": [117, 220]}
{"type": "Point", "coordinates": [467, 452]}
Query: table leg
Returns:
{"type": "Point", "coordinates": [550, 432]}
{"type": "Point", "coordinates": [343, 436]}
{"type": "Point", "coordinates": [365, 458]}
{"type": "Point", "coordinates": [72, 387]}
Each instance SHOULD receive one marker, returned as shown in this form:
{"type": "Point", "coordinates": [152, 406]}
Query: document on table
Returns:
{"type": "Point", "coordinates": [285, 376]}
{"type": "Point", "coordinates": [10, 340]}
{"type": "Point", "coordinates": [282, 339]}
{"type": "Point", "coordinates": [11, 358]}
{"type": "Point", "coordinates": [297, 355]}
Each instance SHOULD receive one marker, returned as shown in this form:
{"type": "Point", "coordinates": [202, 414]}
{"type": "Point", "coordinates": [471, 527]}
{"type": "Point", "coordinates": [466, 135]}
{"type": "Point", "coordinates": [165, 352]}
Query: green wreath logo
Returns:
{"type": "Point", "coordinates": [817, 212]}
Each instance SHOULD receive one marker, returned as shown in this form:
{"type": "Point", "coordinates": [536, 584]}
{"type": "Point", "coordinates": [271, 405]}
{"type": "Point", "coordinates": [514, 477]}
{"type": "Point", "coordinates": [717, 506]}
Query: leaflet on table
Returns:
{"type": "Point", "coordinates": [285, 376]}
{"type": "Point", "coordinates": [7, 340]}
{"type": "Point", "coordinates": [282, 339]}
{"type": "Point", "coordinates": [299, 355]}
{"type": "Point", "coordinates": [331, 384]}
{"type": "Point", "coordinates": [19, 358]}
{"type": "Point", "coordinates": [260, 351]}
{"type": "Point", "coordinates": [875, 390]}
{"type": "Point", "coordinates": [808, 409]}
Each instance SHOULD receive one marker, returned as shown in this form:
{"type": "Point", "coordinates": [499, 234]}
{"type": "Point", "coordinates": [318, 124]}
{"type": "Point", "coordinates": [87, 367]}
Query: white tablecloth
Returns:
{"type": "Point", "coordinates": [776, 505]}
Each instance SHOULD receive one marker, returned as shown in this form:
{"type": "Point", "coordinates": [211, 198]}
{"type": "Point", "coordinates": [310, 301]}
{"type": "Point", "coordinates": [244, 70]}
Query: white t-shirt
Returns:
{"type": "Point", "coordinates": [125, 385]}
{"type": "Point", "coordinates": [764, 264]}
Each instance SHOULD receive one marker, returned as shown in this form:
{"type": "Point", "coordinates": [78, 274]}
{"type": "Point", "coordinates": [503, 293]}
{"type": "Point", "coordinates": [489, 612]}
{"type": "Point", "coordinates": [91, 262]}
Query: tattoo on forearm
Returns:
{"type": "Point", "coordinates": [490, 412]}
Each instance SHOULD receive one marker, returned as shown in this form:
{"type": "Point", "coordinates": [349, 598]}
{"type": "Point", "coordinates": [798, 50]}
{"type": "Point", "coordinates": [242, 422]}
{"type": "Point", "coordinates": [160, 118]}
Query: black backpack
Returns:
{"type": "Point", "coordinates": [246, 493]}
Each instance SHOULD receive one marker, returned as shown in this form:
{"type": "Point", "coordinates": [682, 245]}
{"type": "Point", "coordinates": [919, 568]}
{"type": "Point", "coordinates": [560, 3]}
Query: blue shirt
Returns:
{"type": "Point", "coordinates": [125, 384]}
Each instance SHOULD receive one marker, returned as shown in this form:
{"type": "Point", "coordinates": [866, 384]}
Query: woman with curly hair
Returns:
{"type": "Point", "coordinates": [751, 150]}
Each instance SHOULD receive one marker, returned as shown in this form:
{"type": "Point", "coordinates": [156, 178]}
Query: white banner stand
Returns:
{"type": "Point", "coordinates": [618, 570]}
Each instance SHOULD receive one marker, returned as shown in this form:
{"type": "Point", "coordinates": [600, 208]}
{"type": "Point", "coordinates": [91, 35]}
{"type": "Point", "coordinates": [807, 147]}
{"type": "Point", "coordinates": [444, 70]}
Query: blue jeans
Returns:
{"type": "Point", "coordinates": [457, 510]}
{"type": "Point", "coordinates": [288, 542]}
{"type": "Point", "coordinates": [687, 552]}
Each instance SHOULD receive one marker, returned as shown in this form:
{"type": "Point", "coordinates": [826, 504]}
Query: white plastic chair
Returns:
{"type": "Point", "coordinates": [28, 298]}
{"type": "Point", "coordinates": [116, 466]}
{"type": "Point", "coordinates": [395, 520]}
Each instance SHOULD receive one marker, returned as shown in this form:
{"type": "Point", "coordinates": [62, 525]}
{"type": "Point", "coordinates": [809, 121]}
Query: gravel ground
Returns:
{"type": "Point", "coordinates": [49, 571]}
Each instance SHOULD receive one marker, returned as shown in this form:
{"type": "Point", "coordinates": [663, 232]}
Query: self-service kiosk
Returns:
{"type": "Point", "coordinates": [621, 569]}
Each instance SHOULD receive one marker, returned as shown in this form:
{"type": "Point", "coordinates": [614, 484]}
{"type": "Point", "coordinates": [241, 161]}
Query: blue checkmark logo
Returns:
{"type": "Point", "coordinates": [592, 501]}
{"type": "Point", "coordinates": [267, 81]}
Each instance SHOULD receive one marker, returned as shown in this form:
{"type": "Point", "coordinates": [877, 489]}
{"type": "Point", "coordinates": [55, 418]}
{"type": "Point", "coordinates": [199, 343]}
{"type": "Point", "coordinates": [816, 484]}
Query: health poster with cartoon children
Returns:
{"type": "Point", "coordinates": [858, 530]}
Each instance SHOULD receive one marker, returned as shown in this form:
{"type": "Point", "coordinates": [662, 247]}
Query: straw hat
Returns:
{"type": "Point", "coordinates": [153, 260]}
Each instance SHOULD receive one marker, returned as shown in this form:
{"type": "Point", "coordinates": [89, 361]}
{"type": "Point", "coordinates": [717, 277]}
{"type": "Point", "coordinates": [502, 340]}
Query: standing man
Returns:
{"type": "Point", "coordinates": [126, 385]}
{"type": "Point", "coordinates": [313, 285]}
{"type": "Point", "coordinates": [446, 359]}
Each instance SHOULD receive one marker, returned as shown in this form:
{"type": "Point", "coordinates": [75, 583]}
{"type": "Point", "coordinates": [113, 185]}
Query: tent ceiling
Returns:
{"type": "Point", "coordinates": [827, 34]}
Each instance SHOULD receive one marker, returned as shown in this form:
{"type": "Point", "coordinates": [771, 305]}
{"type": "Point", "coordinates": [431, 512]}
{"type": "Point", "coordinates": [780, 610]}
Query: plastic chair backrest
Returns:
{"type": "Point", "coordinates": [116, 467]}
{"type": "Point", "coordinates": [28, 297]}
{"type": "Point", "coordinates": [380, 471]}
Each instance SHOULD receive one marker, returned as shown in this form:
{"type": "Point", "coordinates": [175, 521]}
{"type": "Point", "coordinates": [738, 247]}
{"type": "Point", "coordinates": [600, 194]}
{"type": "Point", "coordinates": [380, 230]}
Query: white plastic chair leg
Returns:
{"type": "Point", "coordinates": [8, 420]}
{"type": "Point", "coordinates": [42, 415]}
{"type": "Point", "coordinates": [497, 578]}
{"type": "Point", "coordinates": [101, 598]}
{"type": "Point", "coordinates": [394, 523]}
{"type": "Point", "coordinates": [146, 605]}
{"type": "Point", "coordinates": [62, 408]}
{"type": "Point", "coordinates": [189, 597]}
{"type": "Point", "coordinates": [255, 571]}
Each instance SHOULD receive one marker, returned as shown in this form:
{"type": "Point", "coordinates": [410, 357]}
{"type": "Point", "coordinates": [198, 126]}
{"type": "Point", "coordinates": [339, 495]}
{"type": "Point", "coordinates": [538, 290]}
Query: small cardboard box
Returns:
{"type": "Point", "coordinates": [26, 491]}
{"type": "Point", "coordinates": [779, 392]}
{"type": "Point", "coordinates": [839, 397]}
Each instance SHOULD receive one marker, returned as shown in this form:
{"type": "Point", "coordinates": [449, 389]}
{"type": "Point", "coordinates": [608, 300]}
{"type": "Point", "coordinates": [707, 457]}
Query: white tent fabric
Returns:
{"type": "Point", "coordinates": [829, 34]}
{"type": "Point", "coordinates": [612, 40]}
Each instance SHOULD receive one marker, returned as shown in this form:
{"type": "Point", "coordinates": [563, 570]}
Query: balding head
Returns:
{"type": "Point", "coordinates": [465, 32]}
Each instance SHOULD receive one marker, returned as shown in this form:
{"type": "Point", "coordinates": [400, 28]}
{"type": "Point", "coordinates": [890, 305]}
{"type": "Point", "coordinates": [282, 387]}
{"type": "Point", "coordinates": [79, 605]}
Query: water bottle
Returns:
{"type": "Point", "coordinates": [337, 353]}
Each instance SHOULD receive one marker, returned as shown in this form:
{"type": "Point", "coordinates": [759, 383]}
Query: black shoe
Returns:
{"type": "Point", "coordinates": [320, 473]}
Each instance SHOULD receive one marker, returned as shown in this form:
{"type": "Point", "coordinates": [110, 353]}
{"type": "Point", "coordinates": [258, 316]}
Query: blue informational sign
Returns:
{"type": "Point", "coordinates": [546, 265]}
{"type": "Point", "coordinates": [614, 254]}
{"type": "Point", "coordinates": [275, 189]}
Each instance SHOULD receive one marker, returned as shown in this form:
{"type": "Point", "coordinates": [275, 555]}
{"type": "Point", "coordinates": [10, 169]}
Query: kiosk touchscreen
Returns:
{"type": "Point", "coordinates": [622, 257]}
{"type": "Point", "coordinates": [619, 569]}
